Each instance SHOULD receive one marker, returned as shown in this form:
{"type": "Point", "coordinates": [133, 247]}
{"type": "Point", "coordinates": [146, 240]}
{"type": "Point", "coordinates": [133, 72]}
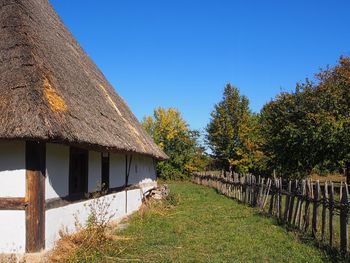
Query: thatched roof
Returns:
{"type": "Point", "coordinates": [50, 90]}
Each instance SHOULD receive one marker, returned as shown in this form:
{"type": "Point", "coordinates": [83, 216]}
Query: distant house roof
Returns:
{"type": "Point", "coordinates": [50, 90]}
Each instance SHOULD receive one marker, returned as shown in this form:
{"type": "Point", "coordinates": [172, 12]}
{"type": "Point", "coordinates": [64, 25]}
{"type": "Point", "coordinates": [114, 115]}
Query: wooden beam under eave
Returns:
{"type": "Point", "coordinates": [35, 196]}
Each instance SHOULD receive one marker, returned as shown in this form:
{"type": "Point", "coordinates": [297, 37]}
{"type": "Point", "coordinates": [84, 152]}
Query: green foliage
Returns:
{"type": "Point", "coordinates": [298, 133]}
{"type": "Point", "coordinates": [233, 133]}
{"type": "Point", "coordinates": [308, 130]}
{"type": "Point", "coordinates": [171, 132]}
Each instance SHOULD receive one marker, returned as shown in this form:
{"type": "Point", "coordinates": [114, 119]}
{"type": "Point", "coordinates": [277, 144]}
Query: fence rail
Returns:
{"type": "Point", "coordinates": [319, 209]}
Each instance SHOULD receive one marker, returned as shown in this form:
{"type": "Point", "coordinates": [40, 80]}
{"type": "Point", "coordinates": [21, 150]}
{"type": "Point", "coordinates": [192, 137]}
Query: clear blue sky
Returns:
{"type": "Point", "coordinates": [181, 53]}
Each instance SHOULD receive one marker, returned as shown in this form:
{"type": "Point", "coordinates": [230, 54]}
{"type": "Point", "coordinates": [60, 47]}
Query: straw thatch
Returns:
{"type": "Point", "coordinates": [51, 91]}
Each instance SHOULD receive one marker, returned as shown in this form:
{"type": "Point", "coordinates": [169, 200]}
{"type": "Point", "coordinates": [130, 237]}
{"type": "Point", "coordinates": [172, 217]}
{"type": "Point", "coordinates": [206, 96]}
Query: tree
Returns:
{"type": "Point", "coordinates": [232, 132]}
{"type": "Point", "coordinates": [308, 130]}
{"type": "Point", "coordinates": [171, 132]}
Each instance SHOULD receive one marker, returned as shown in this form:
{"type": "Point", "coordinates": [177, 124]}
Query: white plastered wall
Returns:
{"type": "Point", "coordinates": [94, 181]}
{"type": "Point", "coordinates": [12, 169]}
{"type": "Point", "coordinates": [120, 204]}
{"type": "Point", "coordinates": [116, 170]}
{"type": "Point", "coordinates": [57, 171]}
{"type": "Point", "coordinates": [142, 172]}
{"type": "Point", "coordinates": [12, 184]}
{"type": "Point", "coordinates": [134, 200]}
{"type": "Point", "coordinates": [12, 232]}
{"type": "Point", "coordinates": [66, 218]}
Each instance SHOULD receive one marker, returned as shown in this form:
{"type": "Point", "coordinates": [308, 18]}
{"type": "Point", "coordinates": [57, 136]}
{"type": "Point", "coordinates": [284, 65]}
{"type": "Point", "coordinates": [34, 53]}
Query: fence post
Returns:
{"type": "Point", "coordinates": [291, 203]}
{"type": "Point", "coordinates": [273, 187]}
{"type": "Point", "coordinates": [303, 193]}
{"type": "Point", "coordinates": [315, 208]}
{"type": "Point", "coordinates": [344, 209]}
{"type": "Point", "coordinates": [297, 206]}
{"type": "Point", "coordinates": [286, 208]}
{"type": "Point", "coordinates": [307, 204]}
{"type": "Point", "coordinates": [280, 199]}
{"type": "Point", "coordinates": [324, 210]}
{"type": "Point", "coordinates": [331, 215]}
{"type": "Point", "coordinates": [268, 186]}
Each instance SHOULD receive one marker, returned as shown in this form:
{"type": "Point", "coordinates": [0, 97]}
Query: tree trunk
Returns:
{"type": "Point", "coordinates": [347, 172]}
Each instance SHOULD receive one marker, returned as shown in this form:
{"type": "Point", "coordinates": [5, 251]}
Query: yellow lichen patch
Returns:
{"type": "Point", "coordinates": [110, 100]}
{"type": "Point", "coordinates": [55, 101]}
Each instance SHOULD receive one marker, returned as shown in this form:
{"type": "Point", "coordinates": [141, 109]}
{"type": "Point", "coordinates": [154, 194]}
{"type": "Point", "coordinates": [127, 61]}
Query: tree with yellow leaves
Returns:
{"type": "Point", "coordinates": [172, 133]}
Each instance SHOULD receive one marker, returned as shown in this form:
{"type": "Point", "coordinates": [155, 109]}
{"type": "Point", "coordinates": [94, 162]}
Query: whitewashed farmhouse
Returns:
{"type": "Point", "coordinates": [64, 132]}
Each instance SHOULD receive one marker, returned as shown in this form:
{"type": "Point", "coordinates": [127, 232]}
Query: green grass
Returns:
{"type": "Point", "coordinates": [207, 227]}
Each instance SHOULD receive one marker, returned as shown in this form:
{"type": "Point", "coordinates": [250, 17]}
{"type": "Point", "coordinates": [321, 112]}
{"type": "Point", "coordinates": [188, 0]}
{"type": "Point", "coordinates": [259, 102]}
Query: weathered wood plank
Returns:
{"type": "Point", "coordinates": [316, 196]}
{"type": "Point", "coordinates": [324, 211]}
{"type": "Point", "coordinates": [12, 203]}
{"type": "Point", "coordinates": [307, 205]}
{"type": "Point", "coordinates": [344, 210]}
{"type": "Point", "coordinates": [331, 215]}
{"type": "Point", "coordinates": [291, 203]}
{"type": "Point", "coordinates": [303, 192]}
{"type": "Point", "coordinates": [286, 207]}
{"type": "Point", "coordinates": [297, 207]}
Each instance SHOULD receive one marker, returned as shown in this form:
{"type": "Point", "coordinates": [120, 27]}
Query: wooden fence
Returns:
{"type": "Point", "coordinates": [304, 204]}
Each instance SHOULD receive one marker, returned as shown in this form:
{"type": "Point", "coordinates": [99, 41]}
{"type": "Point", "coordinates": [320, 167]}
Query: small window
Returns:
{"type": "Point", "coordinates": [105, 171]}
{"type": "Point", "coordinates": [78, 171]}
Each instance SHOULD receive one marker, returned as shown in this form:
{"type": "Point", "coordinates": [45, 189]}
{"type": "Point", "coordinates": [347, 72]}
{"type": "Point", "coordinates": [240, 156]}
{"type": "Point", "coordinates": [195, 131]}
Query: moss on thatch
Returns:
{"type": "Point", "coordinates": [50, 89]}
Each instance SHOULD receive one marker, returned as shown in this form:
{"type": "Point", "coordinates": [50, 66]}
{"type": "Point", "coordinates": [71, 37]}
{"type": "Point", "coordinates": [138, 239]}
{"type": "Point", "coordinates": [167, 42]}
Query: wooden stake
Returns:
{"type": "Point", "coordinates": [324, 210]}
{"type": "Point", "coordinates": [344, 209]}
{"type": "Point", "coordinates": [315, 208]}
{"type": "Point", "coordinates": [331, 215]}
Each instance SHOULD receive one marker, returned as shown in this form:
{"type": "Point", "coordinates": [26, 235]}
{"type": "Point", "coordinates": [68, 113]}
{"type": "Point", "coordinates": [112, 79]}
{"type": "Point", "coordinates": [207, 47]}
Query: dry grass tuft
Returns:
{"type": "Point", "coordinates": [91, 239]}
{"type": "Point", "coordinates": [9, 258]}
{"type": "Point", "coordinates": [82, 244]}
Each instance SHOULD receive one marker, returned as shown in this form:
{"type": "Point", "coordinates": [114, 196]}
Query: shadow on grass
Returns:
{"type": "Point", "coordinates": [331, 254]}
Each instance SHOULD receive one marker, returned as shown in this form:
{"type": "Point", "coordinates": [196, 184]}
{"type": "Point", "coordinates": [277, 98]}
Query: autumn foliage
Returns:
{"type": "Point", "coordinates": [171, 132]}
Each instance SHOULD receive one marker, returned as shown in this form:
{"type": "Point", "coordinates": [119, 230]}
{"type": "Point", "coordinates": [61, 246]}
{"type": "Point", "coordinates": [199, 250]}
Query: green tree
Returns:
{"type": "Point", "coordinates": [171, 132]}
{"type": "Point", "coordinates": [308, 129]}
{"type": "Point", "coordinates": [232, 132]}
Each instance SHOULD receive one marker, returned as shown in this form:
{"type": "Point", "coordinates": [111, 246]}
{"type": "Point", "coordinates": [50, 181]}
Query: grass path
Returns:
{"type": "Point", "coordinates": [207, 227]}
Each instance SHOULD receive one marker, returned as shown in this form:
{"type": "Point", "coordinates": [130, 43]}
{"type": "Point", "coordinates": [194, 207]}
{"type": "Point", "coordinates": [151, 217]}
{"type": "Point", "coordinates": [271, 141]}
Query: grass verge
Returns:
{"type": "Point", "coordinates": [196, 224]}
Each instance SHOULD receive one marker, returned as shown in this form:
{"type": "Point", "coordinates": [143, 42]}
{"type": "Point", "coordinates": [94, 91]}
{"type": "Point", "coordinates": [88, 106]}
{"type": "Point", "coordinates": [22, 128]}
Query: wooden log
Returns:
{"type": "Point", "coordinates": [331, 215]}
{"type": "Point", "coordinates": [344, 210]}
{"type": "Point", "coordinates": [324, 211]}
{"type": "Point", "coordinates": [315, 208]}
